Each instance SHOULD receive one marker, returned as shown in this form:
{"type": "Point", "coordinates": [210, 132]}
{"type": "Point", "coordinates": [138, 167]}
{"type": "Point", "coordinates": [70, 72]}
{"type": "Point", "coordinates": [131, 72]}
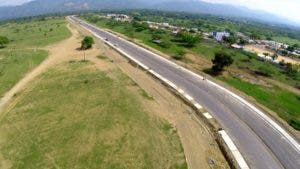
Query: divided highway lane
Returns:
{"type": "Point", "coordinates": [262, 145]}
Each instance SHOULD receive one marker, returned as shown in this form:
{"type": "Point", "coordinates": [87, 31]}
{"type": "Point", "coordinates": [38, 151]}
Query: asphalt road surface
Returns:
{"type": "Point", "coordinates": [261, 141]}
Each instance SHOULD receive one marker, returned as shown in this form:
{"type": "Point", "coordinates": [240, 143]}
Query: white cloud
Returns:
{"type": "Point", "coordinates": [12, 2]}
{"type": "Point", "coordinates": [286, 8]}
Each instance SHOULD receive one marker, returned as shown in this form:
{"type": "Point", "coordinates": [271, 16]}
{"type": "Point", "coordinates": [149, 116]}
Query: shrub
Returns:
{"type": "Point", "coordinates": [179, 55]}
{"type": "Point", "coordinates": [3, 41]}
{"type": "Point", "coordinates": [87, 43]}
{"type": "Point", "coordinates": [221, 60]}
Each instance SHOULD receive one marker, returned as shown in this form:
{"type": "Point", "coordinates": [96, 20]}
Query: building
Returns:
{"type": "Point", "coordinates": [119, 17]}
{"type": "Point", "coordinates": [219, 35]}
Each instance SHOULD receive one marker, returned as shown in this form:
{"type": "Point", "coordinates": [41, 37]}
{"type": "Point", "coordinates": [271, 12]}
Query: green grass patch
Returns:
{"type": "Point", "coordinates": [22, 53]}
{"type": "Point", "coordinates": [284, 103]}
{"type": "Point", "coordinates": [35, 33]}
{"type": "Point", "coordinates": [78, 117]}
{"type": "Point", "coordinates": [287, 40]}
{"type": "Point", "coordinates": [15, 64]}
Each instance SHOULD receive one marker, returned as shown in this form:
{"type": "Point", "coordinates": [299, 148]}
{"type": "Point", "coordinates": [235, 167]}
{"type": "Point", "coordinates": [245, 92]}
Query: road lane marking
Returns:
{"type": "Point", "coordinates": [188, 97]}
{"type": "Point", "coordinates": [235, 152]}
{"type": "Point", "coordinates": [207, 115]}
{"type": "Point", "coordinates": [198, 106]}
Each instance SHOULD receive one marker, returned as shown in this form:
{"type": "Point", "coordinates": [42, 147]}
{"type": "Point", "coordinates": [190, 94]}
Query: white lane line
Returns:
{"type": "Point", "coordinates": [188, 97]}
{"type": "Point", "coordinates": [263, 116]}
{"type": "Point", "coordinates": [207, 115]}
{"type": "Point", "coordinates": [181, 91]}
{"type": "Point", "coordinates": [235, 152]}
{"type": "Point", "coordinates": [197, 105]}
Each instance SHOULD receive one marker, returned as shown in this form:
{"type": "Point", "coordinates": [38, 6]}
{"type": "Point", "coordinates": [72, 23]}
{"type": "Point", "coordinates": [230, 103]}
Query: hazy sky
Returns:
{"type": "Point", "coordinates": [286, 8]}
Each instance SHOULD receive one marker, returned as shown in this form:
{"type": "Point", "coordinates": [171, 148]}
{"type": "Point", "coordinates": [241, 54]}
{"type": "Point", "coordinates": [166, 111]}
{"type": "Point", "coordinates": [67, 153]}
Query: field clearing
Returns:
{"type": "Point", "coordinates": [261, 51]}
{"type": "Point", "coordinates": [26, 49]}
{"type": "Point", "coordinates": [96, 123]}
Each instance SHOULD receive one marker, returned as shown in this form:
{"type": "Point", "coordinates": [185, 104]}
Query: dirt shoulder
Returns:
{"type": "Point", "coordinates": [199, 145]}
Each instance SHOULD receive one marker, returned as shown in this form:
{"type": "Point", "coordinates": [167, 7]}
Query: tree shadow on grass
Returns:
{"type": "Point", "coordinates": [211, 72]}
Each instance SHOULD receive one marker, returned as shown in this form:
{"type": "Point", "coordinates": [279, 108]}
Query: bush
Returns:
{"type": "Point", "coordinates": [230, 39]}
{"type": "Point", "coordinates": [188, 40]}
{"type": "Point", "coordinates": [179, 55]}
{"type": "Point", "coordinates": [3, 41]}
{"type": "Point", "coordinates": [87, 43]}
{"type": "Point", "coordinates": [295, 124]}
{"type": "Point", "coordinates": [221, 60]}
{"type": "Point", "coordinates": [264, 71]}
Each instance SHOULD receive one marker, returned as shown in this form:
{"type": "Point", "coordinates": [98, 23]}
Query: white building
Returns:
{"type": "Point", "coordinates": [219, 35]}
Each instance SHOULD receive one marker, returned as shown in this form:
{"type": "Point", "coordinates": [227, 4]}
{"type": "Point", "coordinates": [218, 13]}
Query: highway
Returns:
{"type": "Point", "coordinates": [263, 143]}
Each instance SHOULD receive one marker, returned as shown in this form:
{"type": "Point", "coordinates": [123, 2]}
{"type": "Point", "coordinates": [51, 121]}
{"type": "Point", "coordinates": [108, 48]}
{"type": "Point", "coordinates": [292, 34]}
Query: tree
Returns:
{"type": "Point", "coordinates": [290, 71]}
{"type": "Point", "coordinates": [87, 43]}
{"type": "Point", "coordinates": [274, 56]}
{"type": "Point", "coordinates": [221, 60]}
{"type": "Point", "coordinates": [243, 41]}
{"type": "Point", "coordinates": [188, 40]}
{"type": "Point", "coordinates": [290, 48]}
{"type": "Point", "coordinates": [3, 41]}
{"type": "Point", "coordinates": [230, 39]}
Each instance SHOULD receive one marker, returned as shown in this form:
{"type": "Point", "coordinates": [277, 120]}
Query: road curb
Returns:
{"type": "Point", "coordinates": [227, 146]}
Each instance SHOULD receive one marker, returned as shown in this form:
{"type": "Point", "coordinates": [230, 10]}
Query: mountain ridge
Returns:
{"type": "Point", "coordinates": [40, 7]}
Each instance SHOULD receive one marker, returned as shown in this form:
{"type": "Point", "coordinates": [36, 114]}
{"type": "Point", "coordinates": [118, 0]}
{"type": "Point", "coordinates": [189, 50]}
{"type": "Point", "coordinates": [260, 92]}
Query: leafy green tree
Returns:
{"type": "Point", "coordinates": [139, 27]}
{"type": "Point", "coordinates": [230, 39]}
{"type": "Point", "coordinates": [87, 43]}
{"type": "Point", "coordinates": [255, 35]}
{"type": "Point", "coordinates": [3, 41]}
{"type": "Point", "coordinates": [290, 48]}
{"type": "Point", "coordinates": [188, 39]}
{"type": "Point", "coordinates": [221, 60]}
{"type": "Point", "coordinates": [243, 41]}
{"type": "Point", "coordinates": [291, 71]}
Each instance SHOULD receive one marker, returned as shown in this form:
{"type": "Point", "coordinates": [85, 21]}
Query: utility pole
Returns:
{"type": "Point", "coordinates": [84, 55]}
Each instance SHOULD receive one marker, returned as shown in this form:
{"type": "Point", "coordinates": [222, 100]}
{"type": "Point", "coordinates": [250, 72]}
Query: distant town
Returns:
{"type": "Point", "coordinates": [266, 50]}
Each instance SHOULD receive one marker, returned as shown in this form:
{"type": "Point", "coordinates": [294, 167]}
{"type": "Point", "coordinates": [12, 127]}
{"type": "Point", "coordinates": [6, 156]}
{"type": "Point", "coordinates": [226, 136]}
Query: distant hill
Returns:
{"type": "Point", "coordinates": [38, 7]}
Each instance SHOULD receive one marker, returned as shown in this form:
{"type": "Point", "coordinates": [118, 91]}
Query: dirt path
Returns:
{"type": "Point", "coordinates": [62, 51]}
{"type": "Point", "coordinates": [199, 145]}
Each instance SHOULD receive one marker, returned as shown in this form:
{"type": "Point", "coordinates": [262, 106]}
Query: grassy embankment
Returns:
{"type": "Point", "coordinates": [75, 116]}
{"type": "Point", "coordinates": [277, 99]}
{"type": "Point", "coordinates": [285, 103]}
{"type": "Point", "coordinates": [23, 53]}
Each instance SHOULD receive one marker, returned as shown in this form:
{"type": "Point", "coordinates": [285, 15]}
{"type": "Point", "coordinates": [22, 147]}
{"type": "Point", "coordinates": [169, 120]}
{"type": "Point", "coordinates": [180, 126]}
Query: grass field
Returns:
{"type": "Point", "coordinates": [284, 103]}
{"type": "Point", "coordinates": [22, 53]}
{"type": "Point", "coordinates": [75, 116]}
{"type": "Point", "coordinates": [286, 40]}
{"type": "Point", "coordinates": [35, 33]}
